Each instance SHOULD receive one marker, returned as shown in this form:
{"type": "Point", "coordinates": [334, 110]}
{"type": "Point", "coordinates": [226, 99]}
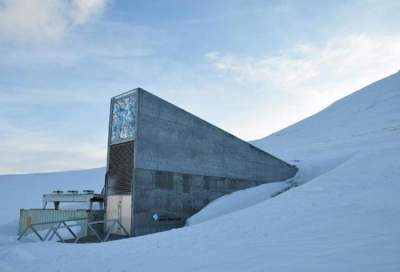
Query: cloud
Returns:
{"type": "Point", "coordinates": [44, 20]}
{"type": "Point", "coordinates": [83, 11]}
{"type": "Point", "coordinates": [317, 72]}
{"type": "Point", "coordinates": [27, 151]}
{"type": "Point", "coordinates": [300, 80]}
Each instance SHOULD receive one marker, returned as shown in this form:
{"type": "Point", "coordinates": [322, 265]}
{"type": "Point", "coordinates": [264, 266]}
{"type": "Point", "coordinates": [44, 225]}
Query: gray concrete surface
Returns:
{"type": "Point", "coordinates": [171, 139]}
{"type": "Point", "coordinates": [182, 162]}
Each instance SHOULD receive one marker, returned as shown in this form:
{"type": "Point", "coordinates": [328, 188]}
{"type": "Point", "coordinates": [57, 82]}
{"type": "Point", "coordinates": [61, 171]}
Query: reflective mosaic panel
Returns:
{"type": "Point", "coordinates": [123, 119]}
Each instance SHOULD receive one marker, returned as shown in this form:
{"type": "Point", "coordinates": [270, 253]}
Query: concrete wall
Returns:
{"type": "Point", "coordinates": [171, 139]}
{"type": "Point", "coordinates": [182, 163]}
{"type": "Point", "coordinates": [175, 197]}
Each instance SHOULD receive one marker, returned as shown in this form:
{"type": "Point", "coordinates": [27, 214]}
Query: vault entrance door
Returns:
{"type": "Point", "coordinates": [120, 207]}
{"type": "Point", "coordinates": [119, 185]}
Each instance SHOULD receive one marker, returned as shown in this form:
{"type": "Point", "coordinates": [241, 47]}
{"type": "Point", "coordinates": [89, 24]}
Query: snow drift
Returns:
{"type": "Point", "coordinates": [344, 216]}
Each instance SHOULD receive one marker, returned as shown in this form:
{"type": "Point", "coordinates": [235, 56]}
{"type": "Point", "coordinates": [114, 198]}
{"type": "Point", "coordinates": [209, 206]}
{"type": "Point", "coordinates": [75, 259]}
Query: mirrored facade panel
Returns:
{"type": "Point", "coordinates": [123, 122]}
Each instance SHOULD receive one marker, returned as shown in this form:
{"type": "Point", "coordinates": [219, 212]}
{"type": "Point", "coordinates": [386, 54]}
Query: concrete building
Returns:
{"type": "Point", "coordinates": [165, 164]}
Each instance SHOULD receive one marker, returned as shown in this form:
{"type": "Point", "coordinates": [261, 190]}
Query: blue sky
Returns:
{"type": "Point", "coordinates": [250, 67]}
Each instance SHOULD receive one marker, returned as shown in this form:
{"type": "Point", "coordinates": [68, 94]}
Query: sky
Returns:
{"type": "Point", "coordinates": [250, 67]}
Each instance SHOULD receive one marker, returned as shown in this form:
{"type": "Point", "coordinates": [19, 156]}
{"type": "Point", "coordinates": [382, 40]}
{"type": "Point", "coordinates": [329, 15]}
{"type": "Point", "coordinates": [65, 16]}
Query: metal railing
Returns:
{"type": "Point", "coordinates": [68, 224]}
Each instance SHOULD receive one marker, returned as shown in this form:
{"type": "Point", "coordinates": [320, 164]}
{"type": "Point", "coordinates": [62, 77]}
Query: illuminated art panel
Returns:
{"type": "Point", "coordinates": [123, 123]}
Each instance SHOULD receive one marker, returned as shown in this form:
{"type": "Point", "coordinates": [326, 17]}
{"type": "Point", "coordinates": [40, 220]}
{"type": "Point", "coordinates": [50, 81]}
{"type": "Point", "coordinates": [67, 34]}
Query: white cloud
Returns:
{"type": "Point", "coordinates": [321, 73]}
{"type": "Point", "coordinates": [27, 21]}
{"type": "Point", "coordinates": [84, 10]}
{"type": "Point", "coordinates": [303, 79]}
{"type": "Point", "coordinates": [27, 151]}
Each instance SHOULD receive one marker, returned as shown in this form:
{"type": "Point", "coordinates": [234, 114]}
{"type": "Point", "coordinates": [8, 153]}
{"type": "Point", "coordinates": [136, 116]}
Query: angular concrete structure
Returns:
{"type": "Point", "coordinates": [165, 164]}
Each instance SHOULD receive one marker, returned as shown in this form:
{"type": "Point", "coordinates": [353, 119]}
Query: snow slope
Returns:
{"type": "Point", "coordinates": [368, 117]}
{"type": "Point", "coordinates": [344, 217]}
{"type": "Point", "coordinates": [323, 141]}
{"type": "Point", "coordinates": [238, 200]}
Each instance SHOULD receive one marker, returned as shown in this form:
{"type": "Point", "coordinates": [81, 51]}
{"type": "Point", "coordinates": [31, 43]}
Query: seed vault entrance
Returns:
{"type": "Point", "coordinates": [119, 184]}
{"type": "Point", "coordinates": [165, 164]}
{"type": "Point", "coordinates": [120, 163]}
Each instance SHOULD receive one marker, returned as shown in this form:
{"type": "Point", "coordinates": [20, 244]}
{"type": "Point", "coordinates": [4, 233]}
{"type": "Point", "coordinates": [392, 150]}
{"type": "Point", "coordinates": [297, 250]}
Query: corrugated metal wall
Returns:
{"type": "Point", "coordinates": [34, 216]}
{"type": "Point", "coordinates": [120, 169]}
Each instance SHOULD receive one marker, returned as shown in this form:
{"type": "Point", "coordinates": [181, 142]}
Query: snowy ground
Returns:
{"type": "Point", "coordinates": [344, 217]}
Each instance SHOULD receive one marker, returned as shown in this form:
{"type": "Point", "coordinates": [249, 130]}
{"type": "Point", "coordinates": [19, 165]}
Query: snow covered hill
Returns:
{"type": "Point", "coordinates": [322, 142]}
{"type": "Point", "coordinates": [344, 217]}
{"type": "Point", "coordinates": [368, 117]}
